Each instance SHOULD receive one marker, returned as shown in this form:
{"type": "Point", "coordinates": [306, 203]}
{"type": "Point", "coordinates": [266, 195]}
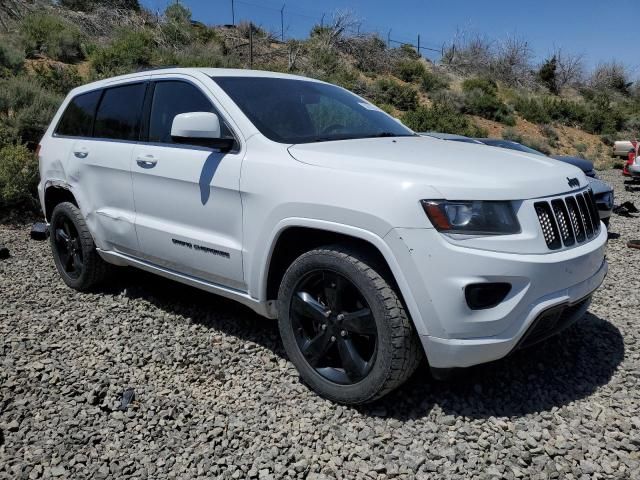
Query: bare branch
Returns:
{"type": "Point", "coordinates": [569, 68]}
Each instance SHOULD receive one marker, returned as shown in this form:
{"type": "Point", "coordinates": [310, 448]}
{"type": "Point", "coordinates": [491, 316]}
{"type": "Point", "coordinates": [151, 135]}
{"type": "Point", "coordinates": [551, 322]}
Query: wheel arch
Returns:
{"type": "Point", "coordinates": [296, 236]}
{"type": "Point", "coordinates": [54, 194]}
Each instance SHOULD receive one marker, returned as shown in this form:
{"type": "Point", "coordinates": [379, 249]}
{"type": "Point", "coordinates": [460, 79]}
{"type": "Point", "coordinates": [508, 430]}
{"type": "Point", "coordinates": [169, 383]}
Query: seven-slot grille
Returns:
{"type": "Point", "coordinates": [568, 220]}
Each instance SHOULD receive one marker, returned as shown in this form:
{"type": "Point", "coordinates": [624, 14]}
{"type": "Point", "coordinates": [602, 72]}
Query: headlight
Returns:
{"type": "Point", "coordinates": [473, 217]}
{"type": "Point", "coordinates": [605, 199]}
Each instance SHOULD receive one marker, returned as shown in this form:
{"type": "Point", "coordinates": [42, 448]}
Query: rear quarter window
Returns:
{"type": "Point", "coordinates": [77, 119]}
{"type": "Point", "coordinates": [119, 112]}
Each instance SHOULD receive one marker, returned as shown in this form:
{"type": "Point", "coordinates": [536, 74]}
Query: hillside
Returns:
{"type": "Point", "coordinates": [479, 88]}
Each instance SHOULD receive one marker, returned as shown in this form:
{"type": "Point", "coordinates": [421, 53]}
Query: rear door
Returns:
{"type": "Point", "coordinates": [188, 207]}
{"type": "Point", "coordinates": [102, 167]}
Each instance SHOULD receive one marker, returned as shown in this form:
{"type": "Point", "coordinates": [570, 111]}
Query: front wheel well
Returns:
{"type": "Point", "coordinates": [295, 241]}
{"type": "Point", "coordinates": [55, 195]}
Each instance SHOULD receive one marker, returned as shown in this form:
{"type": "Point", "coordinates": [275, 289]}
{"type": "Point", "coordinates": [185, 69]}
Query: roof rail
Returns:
{"type": "Point", "coordinates": [150, 69]}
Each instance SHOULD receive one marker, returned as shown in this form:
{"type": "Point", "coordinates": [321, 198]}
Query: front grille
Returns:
{"type": "Point", "coordinates": [568, 220]}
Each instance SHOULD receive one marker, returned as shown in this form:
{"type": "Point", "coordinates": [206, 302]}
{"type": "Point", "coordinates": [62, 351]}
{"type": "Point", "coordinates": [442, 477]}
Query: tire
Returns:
{"type": "Point", "coordinates": [81, 268]}
{"type": "Point", "coordinates": [606, 222]}
{"type": "Point", "coordinates": [397, 351]}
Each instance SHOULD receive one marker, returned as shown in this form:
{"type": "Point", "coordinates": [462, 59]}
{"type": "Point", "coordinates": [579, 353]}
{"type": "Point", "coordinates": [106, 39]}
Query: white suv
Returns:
{"type": "Point", "coordinates": [371, 245]}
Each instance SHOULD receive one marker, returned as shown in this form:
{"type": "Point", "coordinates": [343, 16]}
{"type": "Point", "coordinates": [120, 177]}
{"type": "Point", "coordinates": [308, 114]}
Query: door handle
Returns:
{"type": "Point", "coordinates": [148, 161]}
{"type": "Point", "coordinates": [81, 153]}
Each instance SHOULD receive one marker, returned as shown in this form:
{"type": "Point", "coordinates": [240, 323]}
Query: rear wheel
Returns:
{"type": "Point", "coordinates": [74, 252]}
{"type": "Point", "coordinates": [344, 327]}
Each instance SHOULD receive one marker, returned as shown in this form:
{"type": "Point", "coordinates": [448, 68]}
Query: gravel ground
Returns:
{"type": "Point", "coordinates": [216, 397]}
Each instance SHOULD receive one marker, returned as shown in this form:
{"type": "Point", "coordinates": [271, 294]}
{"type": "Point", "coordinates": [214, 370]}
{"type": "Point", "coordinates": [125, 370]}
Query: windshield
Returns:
{"type": "Point", "coordinates": [299, 111]}
{"type": "Point", "coordinates": [511, 146]}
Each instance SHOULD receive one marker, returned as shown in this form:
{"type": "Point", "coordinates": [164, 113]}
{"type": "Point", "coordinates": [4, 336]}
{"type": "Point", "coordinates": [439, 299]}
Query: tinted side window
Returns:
{"type": "Point", "coordinates": [119, 112]}
{"type": "Point", "coordinates": [77, 119]}
{"type": "Point", "coordinates": [171, 98]}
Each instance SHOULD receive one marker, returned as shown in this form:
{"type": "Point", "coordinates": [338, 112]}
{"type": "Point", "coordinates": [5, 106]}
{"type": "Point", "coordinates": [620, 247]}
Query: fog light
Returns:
{"type": "Point", "coordinates": [485, 295]}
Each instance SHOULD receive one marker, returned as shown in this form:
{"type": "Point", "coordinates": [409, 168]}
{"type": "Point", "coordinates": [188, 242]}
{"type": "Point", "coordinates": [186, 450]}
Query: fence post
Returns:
{"type": "Point", "coordinates": [419, 45]}
{"type": "Point", "coordinates": [250, 44]}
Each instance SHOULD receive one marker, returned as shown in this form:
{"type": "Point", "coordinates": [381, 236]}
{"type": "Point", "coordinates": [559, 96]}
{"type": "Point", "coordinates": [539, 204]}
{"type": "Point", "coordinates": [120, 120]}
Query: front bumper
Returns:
{"type": "Point", "coordinates": [452, 334]}
{"type": "Point", "coordinates": [634, 169]}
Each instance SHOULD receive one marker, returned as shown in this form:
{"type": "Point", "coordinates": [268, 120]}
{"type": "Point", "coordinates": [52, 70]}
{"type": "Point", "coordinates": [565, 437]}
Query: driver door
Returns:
{"type": "Point", "coordinates": [187, 199]}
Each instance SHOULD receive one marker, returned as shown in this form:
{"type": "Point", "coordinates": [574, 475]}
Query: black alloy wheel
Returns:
{"type": "Point", "coordinates": [334, 327]}
{"type": "Point", "coordinates": [343, 325]}
{"type": "Point", "coordinates": [74, 251]}
{"type": "Point", "coordinates": [68, 246]}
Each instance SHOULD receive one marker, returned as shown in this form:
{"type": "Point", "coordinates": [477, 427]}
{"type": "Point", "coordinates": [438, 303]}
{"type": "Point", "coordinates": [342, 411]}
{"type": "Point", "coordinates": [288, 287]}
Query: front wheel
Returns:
{"type": "Point", "coordinates": [344, 327]}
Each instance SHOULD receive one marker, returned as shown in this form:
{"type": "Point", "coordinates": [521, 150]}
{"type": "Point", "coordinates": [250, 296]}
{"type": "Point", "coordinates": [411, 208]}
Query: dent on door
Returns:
{"type": "Point", "coordinates": [101, 171]}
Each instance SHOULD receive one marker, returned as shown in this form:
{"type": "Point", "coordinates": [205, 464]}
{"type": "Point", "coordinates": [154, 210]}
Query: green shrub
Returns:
{"type": "Point", "coordinates": [409, 70]}
{"type": "Point", "coordinates": [89, 5]}
{"type": "Point", "coordinates": [548, 74]}
{"type": "Point", "coordinates": [407, 51]}
{"type": "Point", "coordinates": [11, 59]}
{"type": "Point", "coordinates": [432, 82]}
{"type": "Point", "coordinates": [581, 148]}
{"type": "Point", "coordinates": [44, 34]}
{"type": "Point", "coordinates": [453, 99]}
{"type": "Point", "coordinates": [369, 53]}
{"type": "Point", "coordinates": [403, 97]}
{"type": "Point", "coordinates": [25, 110]}
{"type": "Point", "coordinates": [197, 55]}
{"type": "Point", "coordinates": [58, 78]}
{"type": "Point", "coordinates": [128, 52]}
{"type": "Point", "coordinates": [550, 134]}
{"type": "Point", "coordinates": [177, 30]}
{"type": "Point", "coordinates": [609, 139]}
{"type": "Point", "coordinates": [488, 106]}
{"type": "Point", "coordinates": [537, 145]}
{"type": "Point", "coordinates": [348, 78]}
{"type": "Point", "coordinates": [443, 118]}
{"type": "Point", "coordinates": [512, 134]}
{"type": "Point", "coordinates": [532, 109]}
{"type": "Point", "coordinates": [18, 175]}
{"type": "Point", "coordinates": [632, 124]}
{"type": "Point", "coordinates": [323, 60]}
{"type": "Point", "coordinates": [603, 117]}
{"type": "Point", "coordinates": [385, 107]}
{"type": "Point", "coordinates": [549, 109]}
{"type": "Point", "coordinates": [481, 98]}
{"type": "Point", "coordinates": [485, 85]}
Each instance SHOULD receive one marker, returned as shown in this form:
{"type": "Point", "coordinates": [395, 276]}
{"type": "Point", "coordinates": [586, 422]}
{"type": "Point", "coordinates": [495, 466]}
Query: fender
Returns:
{"type": "Point", "coordinates": [399, 273]}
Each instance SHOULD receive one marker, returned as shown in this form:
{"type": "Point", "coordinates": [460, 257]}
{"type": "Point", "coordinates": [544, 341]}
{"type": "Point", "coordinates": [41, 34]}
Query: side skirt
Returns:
{"type": "Point", "coordinates": [264, 309]}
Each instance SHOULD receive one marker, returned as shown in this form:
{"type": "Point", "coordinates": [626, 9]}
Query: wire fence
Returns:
{"type": "Point", "coordinates": [287, 22]}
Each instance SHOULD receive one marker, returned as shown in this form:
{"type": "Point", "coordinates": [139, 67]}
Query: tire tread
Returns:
{"type": "Point", "coordinates": [96, 269]}
{"type": "Point", "coordinates": [406, 349]}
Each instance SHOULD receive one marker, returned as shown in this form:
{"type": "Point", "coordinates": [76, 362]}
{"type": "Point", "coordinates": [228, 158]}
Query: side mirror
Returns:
{"type": "Point", "coordinates": [201, 129]}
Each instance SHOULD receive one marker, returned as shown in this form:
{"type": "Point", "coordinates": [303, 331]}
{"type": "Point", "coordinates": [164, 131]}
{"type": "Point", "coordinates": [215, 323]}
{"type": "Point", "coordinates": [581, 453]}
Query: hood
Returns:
{"type": "Point", "coordinates": [459, 171]}
{"type": "Point", "coordinates": [581, 163]}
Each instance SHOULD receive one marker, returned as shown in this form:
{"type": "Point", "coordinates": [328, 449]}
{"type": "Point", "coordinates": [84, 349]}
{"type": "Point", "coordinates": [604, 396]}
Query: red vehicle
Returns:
{"type": "Point", "coordinates": [631, 158]}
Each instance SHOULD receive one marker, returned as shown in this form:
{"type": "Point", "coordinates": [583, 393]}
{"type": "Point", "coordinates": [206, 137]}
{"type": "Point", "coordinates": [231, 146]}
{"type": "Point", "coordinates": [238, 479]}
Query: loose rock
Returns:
{"type": "Point", "coordinates": [215, 396]}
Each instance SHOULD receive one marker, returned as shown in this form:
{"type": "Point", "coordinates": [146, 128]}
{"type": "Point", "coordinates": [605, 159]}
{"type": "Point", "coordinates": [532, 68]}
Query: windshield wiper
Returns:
{"type": "Point", "coordinates": [356, 137]}
{"type": "Point", "coordinates": [387, 134]}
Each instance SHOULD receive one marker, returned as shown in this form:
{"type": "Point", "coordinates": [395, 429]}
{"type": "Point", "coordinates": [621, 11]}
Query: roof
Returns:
{"type": "Point", "coordinates": [210, 72]}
